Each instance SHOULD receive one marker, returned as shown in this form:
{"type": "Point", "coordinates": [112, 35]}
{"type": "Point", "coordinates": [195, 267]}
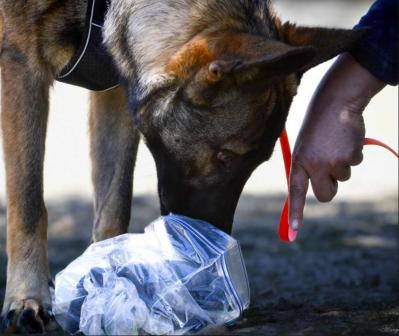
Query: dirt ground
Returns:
{"type": "Point", "coordinates": [340, 278]}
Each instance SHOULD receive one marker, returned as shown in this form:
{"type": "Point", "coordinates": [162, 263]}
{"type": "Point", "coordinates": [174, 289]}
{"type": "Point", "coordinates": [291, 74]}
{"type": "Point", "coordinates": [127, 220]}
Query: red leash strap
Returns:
{"type": "Point", "coordinates": [285, 232]}
{"type": "Point", "coordinates": [369, 141]}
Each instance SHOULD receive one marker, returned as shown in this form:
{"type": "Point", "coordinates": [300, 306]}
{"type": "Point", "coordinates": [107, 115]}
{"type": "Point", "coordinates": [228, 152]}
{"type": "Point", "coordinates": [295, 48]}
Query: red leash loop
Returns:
{"type": "Point", "coordinates": [374, 142]}
{"type": "Point", "coordinates": [285, 232]}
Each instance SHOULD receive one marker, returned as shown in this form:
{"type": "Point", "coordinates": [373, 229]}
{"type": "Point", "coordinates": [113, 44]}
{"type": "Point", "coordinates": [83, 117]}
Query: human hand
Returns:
{"type": "Point", "coordinates": [332, 135]}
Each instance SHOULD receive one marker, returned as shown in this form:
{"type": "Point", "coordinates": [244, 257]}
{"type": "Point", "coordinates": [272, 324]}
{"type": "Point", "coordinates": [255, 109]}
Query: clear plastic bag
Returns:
{"type": "Point", "coordinates": [181, 276]}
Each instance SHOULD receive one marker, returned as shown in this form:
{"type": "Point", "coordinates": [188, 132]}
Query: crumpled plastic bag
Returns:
{"type": "Point", "coordinates": [181, 276]}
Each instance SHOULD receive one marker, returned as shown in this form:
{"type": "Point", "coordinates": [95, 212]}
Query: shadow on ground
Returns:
{"type": "Point", "coordinates": [339, 278]}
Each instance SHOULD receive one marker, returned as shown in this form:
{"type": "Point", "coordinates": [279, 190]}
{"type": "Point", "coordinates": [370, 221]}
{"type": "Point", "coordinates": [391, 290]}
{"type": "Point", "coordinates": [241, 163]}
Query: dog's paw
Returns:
{"type": "Point", "coordinates": [27, 317]}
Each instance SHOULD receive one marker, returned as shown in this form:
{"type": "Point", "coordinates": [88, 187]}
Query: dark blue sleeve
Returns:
{"type": "Point", "coordinates": [378, 52]}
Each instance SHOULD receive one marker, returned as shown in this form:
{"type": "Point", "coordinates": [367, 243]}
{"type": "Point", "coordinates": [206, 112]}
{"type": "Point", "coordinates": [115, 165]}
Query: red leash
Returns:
{"type": "Point", "coordinates": [285, 232]}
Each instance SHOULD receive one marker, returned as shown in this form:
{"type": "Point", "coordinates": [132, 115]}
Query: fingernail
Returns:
{"type": "Point", "coordinates": [295, 224]}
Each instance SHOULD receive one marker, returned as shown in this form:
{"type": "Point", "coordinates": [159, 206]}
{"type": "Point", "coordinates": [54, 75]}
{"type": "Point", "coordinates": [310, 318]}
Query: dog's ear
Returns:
{"type": "Point", "coordinates": [261, 60]}
{"type": "Point", "coordinates": [244, 56]}
{"type": "Point", "coordinates": [229, 57]}
{"type": "Point", "coordinates": [327, 42]}
{"type": "Point", "coordinates": [213, 64]}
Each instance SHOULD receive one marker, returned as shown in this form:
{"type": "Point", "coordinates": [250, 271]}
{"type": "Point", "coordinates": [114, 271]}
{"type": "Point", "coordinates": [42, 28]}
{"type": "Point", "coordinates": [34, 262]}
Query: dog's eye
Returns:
{"type": "Point", "coordinates": [226, 158]}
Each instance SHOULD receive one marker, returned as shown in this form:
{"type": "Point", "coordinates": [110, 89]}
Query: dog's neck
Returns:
{"type": "Point", "coordinates": [143, 35]}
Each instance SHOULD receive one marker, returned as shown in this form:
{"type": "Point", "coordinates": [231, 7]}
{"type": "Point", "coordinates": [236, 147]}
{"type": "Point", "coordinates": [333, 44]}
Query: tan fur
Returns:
{"type": "Point", "coordinates": [190, 58]}
{"type": "Point", "coordinates": [24, 118]}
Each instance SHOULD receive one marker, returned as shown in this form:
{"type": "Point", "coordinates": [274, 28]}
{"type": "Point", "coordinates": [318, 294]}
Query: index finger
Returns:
{"type": "Point", "coordinates": [298, 188]}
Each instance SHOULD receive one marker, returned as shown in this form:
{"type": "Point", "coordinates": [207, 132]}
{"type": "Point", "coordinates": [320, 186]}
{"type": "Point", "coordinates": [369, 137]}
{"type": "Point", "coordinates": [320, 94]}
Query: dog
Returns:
{"type": "Point", "coordinates": [207, 83]}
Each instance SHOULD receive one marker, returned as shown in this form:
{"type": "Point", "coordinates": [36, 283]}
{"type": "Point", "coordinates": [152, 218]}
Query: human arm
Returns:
{"type": "Point", "coordinates": [332, 135]}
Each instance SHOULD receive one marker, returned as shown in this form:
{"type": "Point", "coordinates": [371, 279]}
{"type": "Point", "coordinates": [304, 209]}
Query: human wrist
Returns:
{"type": "Point", "coordinates": [346, 85]}
{"type": "Point", "coordinates": [357, 81]}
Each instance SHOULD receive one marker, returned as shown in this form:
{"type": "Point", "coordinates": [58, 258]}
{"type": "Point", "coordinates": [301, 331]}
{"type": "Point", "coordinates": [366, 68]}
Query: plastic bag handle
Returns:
{"type": "Point", "coordinates": [286, 234]}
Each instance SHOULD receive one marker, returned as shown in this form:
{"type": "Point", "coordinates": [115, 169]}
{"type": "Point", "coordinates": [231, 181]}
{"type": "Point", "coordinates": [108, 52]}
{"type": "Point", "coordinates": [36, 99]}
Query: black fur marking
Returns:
{"type": "Point", "coordinates": [7, 321]}
{"type": "Point", "coordinates": [12, 53]}
{"type": "Point", "coordinates": [28, 322]}
{"type": "Point", "coordinates": [33, 209]}
{"type": "Point", "coordinates": [71, 34]}
{"type": "Point", "coordinates": [134, 100]}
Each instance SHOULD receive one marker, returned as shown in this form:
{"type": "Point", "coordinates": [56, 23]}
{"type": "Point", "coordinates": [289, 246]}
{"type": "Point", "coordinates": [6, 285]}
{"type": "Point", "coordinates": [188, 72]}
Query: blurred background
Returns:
{"type": "Point", "coordinates": [346, 261]}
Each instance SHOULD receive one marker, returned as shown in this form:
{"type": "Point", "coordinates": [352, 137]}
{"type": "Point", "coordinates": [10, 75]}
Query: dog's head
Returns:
{"type": "Point", "coordinates": [212, 108]}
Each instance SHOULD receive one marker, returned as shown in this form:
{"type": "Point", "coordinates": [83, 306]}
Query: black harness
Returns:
{"type": "Point", "coordinates": [92, 66]}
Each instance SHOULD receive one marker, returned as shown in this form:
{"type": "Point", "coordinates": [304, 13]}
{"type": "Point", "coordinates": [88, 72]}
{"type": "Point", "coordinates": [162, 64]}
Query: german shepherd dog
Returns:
{"type": "Point", "coordinates": [208, 84]}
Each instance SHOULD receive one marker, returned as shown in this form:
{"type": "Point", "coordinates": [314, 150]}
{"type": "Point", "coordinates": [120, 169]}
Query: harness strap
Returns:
{"type": "Point", "coordinates": [92, 67]}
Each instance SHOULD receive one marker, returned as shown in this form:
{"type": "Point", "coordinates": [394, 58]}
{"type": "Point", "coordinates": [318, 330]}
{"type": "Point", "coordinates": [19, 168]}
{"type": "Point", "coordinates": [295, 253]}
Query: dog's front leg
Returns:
{"type": "Point", "coordinates": [24, 94]}
{"type": "Point", "coordinates": [114, 140]}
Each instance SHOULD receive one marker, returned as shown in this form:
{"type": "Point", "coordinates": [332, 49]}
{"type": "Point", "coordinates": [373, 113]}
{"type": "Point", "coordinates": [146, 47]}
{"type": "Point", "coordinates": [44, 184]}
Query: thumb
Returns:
{"type": "Point", "coordinates": [299, 184]}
